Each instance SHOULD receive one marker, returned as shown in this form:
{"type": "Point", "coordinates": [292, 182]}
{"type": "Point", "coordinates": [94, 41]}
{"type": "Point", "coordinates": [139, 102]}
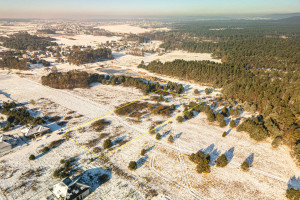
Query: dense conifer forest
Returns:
{"type": "Point", "coordinates": [260, 67]}
{"type": "Point", "coordinates": [25, 41]}
{"type": "Point", "coordinates": [79, 57]}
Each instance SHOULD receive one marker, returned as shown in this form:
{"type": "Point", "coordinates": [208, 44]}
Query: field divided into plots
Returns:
{"type": "Point", "coordinates": [136, 138]}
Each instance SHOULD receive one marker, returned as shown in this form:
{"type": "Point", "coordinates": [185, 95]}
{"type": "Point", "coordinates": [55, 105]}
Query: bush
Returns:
{"type": "Point", "coordinates": [158, 136]}
{"type": "Point", "coordinates": [245, 166]}
{"type": "Point", "coordinates": [188, 115]}
{"type": "Point", "coordinates": [196, 91]}
{"type": "Point", "coordinates": [99, 125]}
{"type": "Point", "coordinates": [179, 119]}
{"type": "Point", "coordinates": [224, 111]}
{"type": "Point", "coordinates": [152, 130]}
{"type": "Point", "coordinates": [232, 124]}
{"type": "Point", "coordinates": [132, 165]}
{"type": "Point", "coordinates": [32, 157]}
{"type": "Point", "coordinates": [208, 91]}
{"type": "Point", "coordinates": [200, 155]}
{"type": "Point", "coordinates": [143, 152]}
{"type": "Point", "coordinates": [224, 134]}
{"type": "Point", "coordinates": [276, 142]}
{"type": "Point", "coordinates": [107, 144]}
{"type": "Point", "coordinates": [62, 161]}
{"type": "Point", "coordinates": [203, 166]}
{"type": "Point", "coordinates": [222, 123]}
{"type": "Point", "coordinates": [56, 173]}
{"type": "Point", "coordinates": [45, 149]}
{"type": "Point", "coordinates": [171, 139]}
{"type": "Point", "coordinates": [63, 174]}
{"type": "Point", "coordinates": [210, 116]}
{"type": "Point", "coordinates": [292, 194]}
{"type": "Point", "coordinates": [222, 161]}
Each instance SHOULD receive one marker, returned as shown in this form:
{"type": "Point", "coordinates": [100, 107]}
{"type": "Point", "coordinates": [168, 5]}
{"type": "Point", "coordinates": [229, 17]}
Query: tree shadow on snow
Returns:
{"type": "Point", "coordinates": [150, 148]}
{"type": "Point", "coordinates": [95, 177]}
{"type": "Point", "coordinates": [213, 152]}
{"type": "Point", "coordinates": [141, 161]}
{"type": "Point", "coordinates": [227, 133]}
{"type": "Point", "coordinates": [118, 140]}
{"type": "Point", "coordinates": [165, 133]}
{"type": "Point", "coordinates": [160, 128]}
{"type": "Point", "coordinates": [250, 159]}
{"type": "Point", "coordinates": [294, 183]}
{"type": "Point", "coordinates": [229, 154]}
{"type": "Point", "coordinates": [177, 136]}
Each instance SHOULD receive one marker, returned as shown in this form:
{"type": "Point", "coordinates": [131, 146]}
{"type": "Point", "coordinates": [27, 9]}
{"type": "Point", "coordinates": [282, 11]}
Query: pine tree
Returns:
{"type": "Point", "coordinates": [171, 139]}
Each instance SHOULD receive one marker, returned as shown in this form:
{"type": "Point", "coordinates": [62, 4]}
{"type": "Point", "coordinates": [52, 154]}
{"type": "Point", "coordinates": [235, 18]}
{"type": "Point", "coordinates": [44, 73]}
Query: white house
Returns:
{"type": "Point", "coordinates": [70, 190]}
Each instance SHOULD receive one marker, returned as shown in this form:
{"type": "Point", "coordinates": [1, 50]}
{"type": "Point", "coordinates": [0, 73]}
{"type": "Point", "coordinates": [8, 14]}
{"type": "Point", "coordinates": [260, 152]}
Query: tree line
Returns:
{"type": "Point", "coordinates": [79, 79]}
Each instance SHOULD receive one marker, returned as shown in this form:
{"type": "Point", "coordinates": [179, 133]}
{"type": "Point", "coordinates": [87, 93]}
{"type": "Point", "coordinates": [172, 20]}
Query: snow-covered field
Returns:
{"type": "Point", "coordinates": [84, 40]}
{"type": "Point", "coordinates": [166, 167]}
{"type": "Point", "coordinates": [165, 164]}
{"type": "Point", "coordinates": [126, 28]}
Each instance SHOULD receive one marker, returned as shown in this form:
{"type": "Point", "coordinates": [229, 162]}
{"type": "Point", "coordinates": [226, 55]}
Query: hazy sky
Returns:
{"type": "Point", "coordinates": [89, 8]}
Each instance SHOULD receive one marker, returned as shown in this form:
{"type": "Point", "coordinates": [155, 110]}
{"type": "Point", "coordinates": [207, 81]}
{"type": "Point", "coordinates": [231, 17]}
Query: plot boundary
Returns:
{"type": "Point", "coordinates": [141, 135]}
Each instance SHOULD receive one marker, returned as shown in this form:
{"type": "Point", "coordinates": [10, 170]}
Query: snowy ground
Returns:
{"type": "Point", "coordinates": [165, 167]}
{"type": "Point", "coordinates": [164, 164]}
{"type": "Point", "coordinates": [84, 40]}
{"type": "Point", "coordinates": [126, 28]}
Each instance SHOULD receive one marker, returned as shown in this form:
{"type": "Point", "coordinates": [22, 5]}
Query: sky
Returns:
{"type": "Point", "coordinates": [91, 8]}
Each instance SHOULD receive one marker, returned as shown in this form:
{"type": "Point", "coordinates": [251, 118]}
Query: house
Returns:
{"type": "Point", "coordinates": [35, 131]}
{"type": "Point", "coordinates": [70, 190]}
{"type": "Point", "coordinates": [7, 142]}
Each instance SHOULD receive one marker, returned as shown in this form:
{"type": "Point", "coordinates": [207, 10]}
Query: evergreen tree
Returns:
{"type": "Point", "coordinates": [222, 161]}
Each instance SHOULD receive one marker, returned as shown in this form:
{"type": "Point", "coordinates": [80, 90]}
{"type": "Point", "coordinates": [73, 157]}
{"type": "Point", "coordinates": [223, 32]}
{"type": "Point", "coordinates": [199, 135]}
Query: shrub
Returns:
{"type": "Point", "coordinates": [99, 125]}
{"type": "Point", "coordinates": [188, 115]}
{"type": "Point", "coordinates": [179, 119]}
{"type": "Point", "coordinates": [55, 143]}
{"type": "Point", "coordinates": [224, 134]}
{"type": "Point", "coordinates": [32, 102]}
{"type": "Point", "coordinates": [276, 142]}
{"type": "Point", "coordinates": [158, 136]}
{"type": "Point", "coordinates": [203, 166]}
{"type": "Point", "coordinates": [232, 124]}
{"type": "Point", "coordinates": [224, 111]}
{"type": "Point", "coordinates": [56, 173]}
{"type": "Point", "coordinates": [32, 157]}
{"type": "Point", "coordinates": [62, 161]}
{"type": "Point", "coordinates": [63, 174]}
{"type": "Point", "coordinates": [196, 91]}
{"type": "Point", "coordinates": [172, 107]}
{"type": "Point", "coordinates": [107, 144]}
{"type": "Point", "coordinates": [200, 155]}
{"type": "Point", "coordinates": [210, 116]}
{"type": "Point", "coordinates": [171, 139]}
{"type": "Point", "coordinates": [45, 149]}
{"type": "Point", "coordinates": [143, 152]}
{"type": "Point", "coordinates": [132, 165]}
{"type": "Point", "coordinates": [292, 194]}
{"type": "Point", "coordinates": [245, 166]}
{"type": "Point", "coordinates": [208, 90]}
{"type": "Point", "coordinates": [222, 123]}
{"type": "Point", "coordinates": [219, 117]}
{"type": "Point", "coordinates": [222, 161]}
{"type": "Point", "coordinates": [152, 130]}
